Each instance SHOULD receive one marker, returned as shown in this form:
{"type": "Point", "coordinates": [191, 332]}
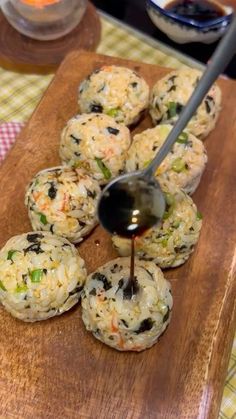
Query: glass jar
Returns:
{"type": "Point", "coordinates": [44, 19]}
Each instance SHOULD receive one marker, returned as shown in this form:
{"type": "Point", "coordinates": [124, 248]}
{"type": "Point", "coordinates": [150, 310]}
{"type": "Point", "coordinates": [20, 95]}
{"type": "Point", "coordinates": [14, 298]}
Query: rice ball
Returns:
{"type": "Point", "coordinates": [115, 91]}
{"type": "Point", "coordinates": [63, 200]}
{"type": "Point", "coordinates": [42, 276]}
{"type": "Point", "coordinates": [97, 143]}
{"type": "Point", "coordinates": [171, 93]}
{"type": "Point", "coordinates": [183, 165]}
{"type": "Point", "coordinates": [119, 318]}
{"type": "Point", "coordinates": [170, 243]}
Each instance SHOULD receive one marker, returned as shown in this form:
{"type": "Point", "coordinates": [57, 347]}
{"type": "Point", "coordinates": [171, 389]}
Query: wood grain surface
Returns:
{"type": "Point", "coordinates": [22, 53]}
{"type": "Point", "coordinates": [55, 369]}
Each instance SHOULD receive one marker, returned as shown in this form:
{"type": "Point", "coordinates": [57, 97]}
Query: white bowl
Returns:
{"type": "Point", "coordinates": [183, 30]}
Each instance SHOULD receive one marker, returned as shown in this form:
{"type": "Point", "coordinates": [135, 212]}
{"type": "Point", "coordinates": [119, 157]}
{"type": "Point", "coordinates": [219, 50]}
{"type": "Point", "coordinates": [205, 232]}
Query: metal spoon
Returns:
{"type": "Point", "coordinates": [134, 202]}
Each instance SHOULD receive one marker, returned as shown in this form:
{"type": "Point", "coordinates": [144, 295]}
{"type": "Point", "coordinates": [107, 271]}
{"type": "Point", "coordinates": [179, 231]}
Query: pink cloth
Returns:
{"type": "Point", "coordinates": [8, 134]}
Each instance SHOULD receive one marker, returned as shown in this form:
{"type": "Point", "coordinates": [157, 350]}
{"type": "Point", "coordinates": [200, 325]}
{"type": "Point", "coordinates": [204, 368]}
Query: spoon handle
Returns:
{"type": "Point", "coordinates": [221, 57]}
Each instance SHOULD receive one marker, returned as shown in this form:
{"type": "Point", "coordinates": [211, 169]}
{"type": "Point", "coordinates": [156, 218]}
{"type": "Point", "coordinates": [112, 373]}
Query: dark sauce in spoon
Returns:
{"type": "Point", "coordinates": [129, 209]}
{"type": "Point", "coordinates": [201, 10]}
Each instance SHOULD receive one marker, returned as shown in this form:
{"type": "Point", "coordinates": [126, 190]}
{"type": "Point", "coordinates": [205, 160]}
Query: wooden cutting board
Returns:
{"type": "Point", "coordinates": [55, 369]}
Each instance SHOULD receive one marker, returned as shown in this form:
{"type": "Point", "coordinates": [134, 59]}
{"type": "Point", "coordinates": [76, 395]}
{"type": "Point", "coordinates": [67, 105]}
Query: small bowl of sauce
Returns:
{"type": "Point", "coordinates": [189, 20]}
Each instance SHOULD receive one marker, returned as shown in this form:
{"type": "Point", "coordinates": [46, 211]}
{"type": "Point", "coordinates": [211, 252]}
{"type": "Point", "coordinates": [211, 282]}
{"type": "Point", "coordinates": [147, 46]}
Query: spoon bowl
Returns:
{"type": "Point", "coordinates": [131, 204]}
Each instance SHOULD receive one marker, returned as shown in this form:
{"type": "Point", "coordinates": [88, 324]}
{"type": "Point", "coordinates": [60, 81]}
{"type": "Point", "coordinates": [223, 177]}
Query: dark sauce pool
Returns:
{"type": "Point", "coordinates": [200, 11]}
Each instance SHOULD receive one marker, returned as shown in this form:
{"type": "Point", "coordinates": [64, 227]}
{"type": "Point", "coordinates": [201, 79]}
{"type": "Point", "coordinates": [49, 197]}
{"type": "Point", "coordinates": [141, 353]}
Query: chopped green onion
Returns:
{"type": "Point", "coordinates": [104, 169]}
{"type": "Point", "coordinates": [178, 165]}
{"type": "Point", "coordinates": [36, 275]}
{"type": "Point", "coordinates": [172, 109]}
{"type": "Point", "coordinates": [170, 203]}
{"type": "Point", "coordinates": [182, 138]}
{"type": "Point", "coordinates": [2, 286]}
{"type": "Point", "coordinates": [199, 215]}
{"type": "Point", "coordinates": [164, 242]}
{"type": "Point", "coordinates": [176, 224]}
{"type": "Point", "coordinates": [21, 288]}
{"type": "Point", "coordinates": [10, 254]}
{"type": "Point", "coordinates": [169, 198]}
{"type": "Point", "coordinates": [113, 112]}
{"type": "Point", "coordinates": [77, 164]}
{"type": "Point", "coordinates": [43, 218]}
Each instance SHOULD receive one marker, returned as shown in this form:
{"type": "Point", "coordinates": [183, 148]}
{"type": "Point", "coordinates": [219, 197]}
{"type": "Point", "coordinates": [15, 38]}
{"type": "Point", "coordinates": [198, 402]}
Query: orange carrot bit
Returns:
{"type": "Point", "coordinates": [114, 323]}
{"type": "Point", "coordinates": [65, 202]}
{"type": "Point", "coordinates": [36, 195]}
{"type": "Point", "coordinates": [121, 342]}
{"type": "Point", "coordinates": [107, 68]}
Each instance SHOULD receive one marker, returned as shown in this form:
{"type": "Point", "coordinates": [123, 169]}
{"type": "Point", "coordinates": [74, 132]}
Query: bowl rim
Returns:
{"type": "Point", "coordinates": [191, 22]}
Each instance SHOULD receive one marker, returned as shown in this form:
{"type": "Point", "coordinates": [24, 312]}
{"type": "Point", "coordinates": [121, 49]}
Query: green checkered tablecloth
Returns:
{"type": "Point", "coordinates": [20, 94]}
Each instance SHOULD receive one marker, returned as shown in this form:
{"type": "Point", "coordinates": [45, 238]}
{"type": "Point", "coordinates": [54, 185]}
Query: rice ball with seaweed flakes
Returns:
{"type": "Point", "coordinates": [115, 91]}
{"type": "Point", "coordinates": [126, 319]}
{"type": "Point", "coordinates": [42, 276]}
{"type": "Point", "coordinates": [170, 243]}
{"type": "Point", "coordinates": [183, 165]}
{"type": "Point", "coordinates": [171, 93]}
{"type": "Point", "coordinates": [63, 200]}
{"type": "Point", "coordinates": [97, 143]}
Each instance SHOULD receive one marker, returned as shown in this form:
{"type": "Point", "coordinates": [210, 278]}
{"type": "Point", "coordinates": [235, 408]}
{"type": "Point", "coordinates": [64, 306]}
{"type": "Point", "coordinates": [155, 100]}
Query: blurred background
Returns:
{"type": "Point", "coordinates": [133, 12]}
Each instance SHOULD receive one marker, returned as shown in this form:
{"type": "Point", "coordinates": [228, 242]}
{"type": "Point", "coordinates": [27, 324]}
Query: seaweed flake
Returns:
{"type": "Point", "coordinates": [101, 88]}
{"type": "Point", "coordinates": [172, 89]}
{"type": "Point", "coordinates": [102, 278]}
{"type": "Point", "coordinates": [120, 284]}
{"type": "Point", "coordinates": [180, 249]}
{"type": "Point", "coordinates": [52, 191]}
{"type": "Point", "coordinates": [96, 107]}
{"type": "Point", "coordinates": [113, 131]}
{"type": "Point", "coordinates": [124, 322]}
{"type": "Point", "coordinates": [167, 315]}
{"type": "Point", "coordinates": [115, 268]}
{"type": "Point", "coordinates": [76, 289]}
{"type": "Point", "coordinates": [51, 228]}
{"type": "Point", "coordinates": [209, 99]}
{"type": "Point", "coordinates": [172, 79]}
{"type": "Point", "coordinates": [76, 140]}
{"type": "Point", "coordinates": [145, 325]}
{"type": "Point", "coordinates": [35, 247]}
{"type": "Point", "coordinates": [24, 278]}
{"type": "Point", "coordinates": [149, 273]}
{"type": "Point", "coordinates": [93, 292]}
{"type": "Point", "coordinates": [91, 194]}
{"type": "Point", "coordinates": [34, 237]}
